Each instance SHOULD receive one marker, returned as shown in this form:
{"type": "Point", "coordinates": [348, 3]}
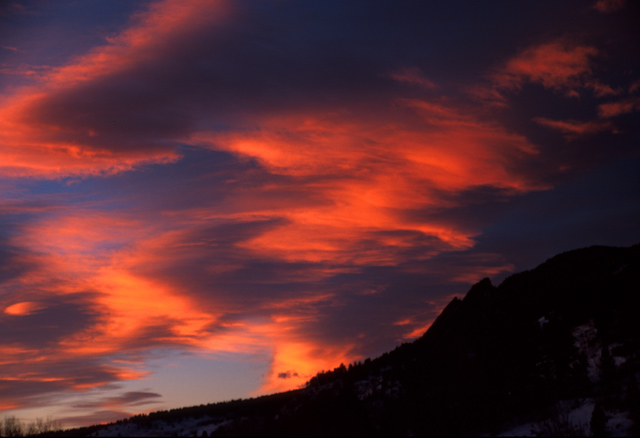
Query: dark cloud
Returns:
{"type": "Point", "coordinates": [127, 399]}
{"type": "Point", "coordinates": [287, 375]}
{"type": "Point", "coordinates": [42, 382]}
{"type": "Point", "coordinates": [11, 265]}
{"type": "Point", "coordinates": [97, 417]}
{"type": "Point", "coordinates": [54, 319]}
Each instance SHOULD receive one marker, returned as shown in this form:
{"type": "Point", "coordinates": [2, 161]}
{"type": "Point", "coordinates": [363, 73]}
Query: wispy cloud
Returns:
{"type": "Point", "coordinates": [624, 106]}
{"type": "Point", "coordinates": [574, 129]}
{"type": "Point", "coordinates": [414, 76]}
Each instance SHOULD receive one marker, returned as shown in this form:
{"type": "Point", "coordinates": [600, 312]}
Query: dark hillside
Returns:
{"type": "Point", "coordinates": [500, 356]}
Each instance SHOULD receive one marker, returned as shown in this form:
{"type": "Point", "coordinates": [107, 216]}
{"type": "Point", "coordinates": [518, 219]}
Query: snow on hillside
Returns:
{"type": "Point", "coordinates": [203, 426]}
{"type": "Point", "coordinates": [585, 341]}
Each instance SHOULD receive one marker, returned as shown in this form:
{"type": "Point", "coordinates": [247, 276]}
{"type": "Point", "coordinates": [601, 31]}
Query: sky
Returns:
{"type": "Point", "coordinates": [208, 200]}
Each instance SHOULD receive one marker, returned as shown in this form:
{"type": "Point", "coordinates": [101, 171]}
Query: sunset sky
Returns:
{"type": "Point", "coordinates": [206, 200]}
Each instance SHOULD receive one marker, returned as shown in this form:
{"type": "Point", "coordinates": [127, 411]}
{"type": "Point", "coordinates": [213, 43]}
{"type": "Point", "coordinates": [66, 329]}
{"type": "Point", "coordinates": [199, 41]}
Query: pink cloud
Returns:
{"type": "Point", "coordinates": [413, 76]}
{"type": "Point", "coordinates": [573, 129]}
{"type": "Point", "coordinates": [11, 48]}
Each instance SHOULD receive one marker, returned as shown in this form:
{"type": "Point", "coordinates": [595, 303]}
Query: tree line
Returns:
{"type": "Point", "coordinates": [13, 427]}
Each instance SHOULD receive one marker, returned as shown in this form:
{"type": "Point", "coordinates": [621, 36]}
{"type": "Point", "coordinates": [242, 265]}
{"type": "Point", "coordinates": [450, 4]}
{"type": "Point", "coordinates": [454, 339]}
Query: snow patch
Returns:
{"type": "Point", "coordinates": [619, 423]}
{"type": "Point", "coordinates": [585, 342]}
{"type": "Point", "coordinates": [542, 321]}
{"type": "Point", "coordinates": [367, 388]}
{"type": "Point", "coordinates": [571, 417]}
{"type": "Point", "coordinates": [184, 427]}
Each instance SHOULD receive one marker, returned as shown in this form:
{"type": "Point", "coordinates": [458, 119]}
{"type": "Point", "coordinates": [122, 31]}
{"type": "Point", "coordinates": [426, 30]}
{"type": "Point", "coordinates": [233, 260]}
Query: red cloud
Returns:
{"type": "Point", "coordinates": [612, 109]}
{"type": "Point", "coordinates": [558, 65]}
{"type": "Point", "coordinates": [573, 128]}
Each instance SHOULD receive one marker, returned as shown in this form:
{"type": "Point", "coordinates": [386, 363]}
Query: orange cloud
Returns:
{"type": "Point", "coordinates": [294, 363]}
{"type": "Point", "coordinates": [134, 311]}
{"type": "Point", "coordinates": [416, 328]}
{"type": "Point", "coordinates": [295, 357]}
{"type": "Point", "coordinates": [558, 65]}
{"type": "Point", "coordinates": [23, 308]}
{"type": "Point", "coordinates": [365, 174]}
{"type": "Point", "coordinates": [45, 132]}
{"type": "Point", "coordinates": [131, 306]}
{"type": "Point", "coordinates": [78, 252]}
{"type": "Point", "coordinates": [83, 247]}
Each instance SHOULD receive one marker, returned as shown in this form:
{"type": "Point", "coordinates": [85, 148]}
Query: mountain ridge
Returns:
{"type": "Point", "coordinates": [546, 343]}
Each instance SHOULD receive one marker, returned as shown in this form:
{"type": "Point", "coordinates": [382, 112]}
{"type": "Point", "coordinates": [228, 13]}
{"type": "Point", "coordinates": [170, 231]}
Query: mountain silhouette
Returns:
{"type": "Point", "coordinates": [550, 351]}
